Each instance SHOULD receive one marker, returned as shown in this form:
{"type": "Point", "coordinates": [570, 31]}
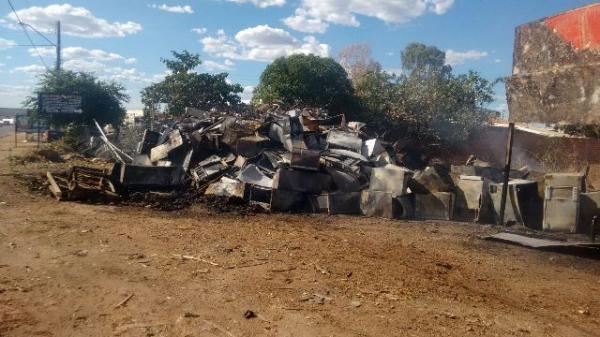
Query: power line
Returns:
{"type": "Point", "coordinates": [23, 26]}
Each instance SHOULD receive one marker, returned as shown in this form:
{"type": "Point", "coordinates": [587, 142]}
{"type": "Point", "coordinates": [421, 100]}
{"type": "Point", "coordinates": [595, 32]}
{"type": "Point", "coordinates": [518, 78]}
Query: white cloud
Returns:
{"type": "Point", "coordinates": [303, 22]}
{"type": "Point", "coordinates": [72, 53]}
{"type": "Point", "coordinates": [454, 58]}
{"type": "Point", "coordinates": [261, 3]}
{"type": "Point", "coordinates": [75, 21]}
{"type": "Point", "coordinates": [199, 30]}
{"type": "Point", "coordinates": [216, 66]}
{"type": "Point", "coordinates": [187, 9]}
{"type": "Point", "coordinates": [30, 69]}
{"type": "Point", "coordinates": [5, 44]}
{"type": "Point", "coordinates": [315, 15]}
{"type": "Point", "coordinates": [246, 95]}
{"type": "Point", "coordinates": [261, 43]}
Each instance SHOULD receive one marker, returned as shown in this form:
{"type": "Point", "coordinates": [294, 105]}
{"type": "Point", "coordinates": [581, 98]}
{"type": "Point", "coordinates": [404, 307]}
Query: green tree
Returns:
{"type": "Point", "coordinates": [183, 87]}
{"type": "Point", "coordinates": [305, 80]}
{"type": "Point", "coordinates": [427, 103]}
{"type": "Point", "coordinates": [100, 100]}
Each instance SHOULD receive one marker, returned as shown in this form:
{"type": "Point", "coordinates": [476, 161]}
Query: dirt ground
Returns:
{"type": "Point", "coordinates": [69, 269]}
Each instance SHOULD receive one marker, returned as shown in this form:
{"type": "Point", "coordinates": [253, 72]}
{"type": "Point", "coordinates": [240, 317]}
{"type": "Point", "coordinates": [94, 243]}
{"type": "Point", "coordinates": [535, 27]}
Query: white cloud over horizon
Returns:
{"type": "Point", "coordinates": [454, 58]}
{"type": "Point", "coordinates": [315, 16]}
{"type": "Point", "coordinates": [178, 9]}
{"type": "Point", "coordinates": [75, 21]}
{"type": "Point", "coordinates": [261, 43]}
{"type": "Point", "coordinates": [261, 3]}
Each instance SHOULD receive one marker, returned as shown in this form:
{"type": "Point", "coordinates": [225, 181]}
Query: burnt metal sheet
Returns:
{"type": "Point", "coordinates": [390, 178]}
{"type": "Point", "coordinates": [149, 140]}
{"type": "Point", "coordinates": [344, 203]}
{"type": "Point", "coordinates": [404, 206]}
{"type": "Point", "coordinates": [470, 197]}
{"type": "Point", "coordinates": [301, 181]}
{"type": "Point", "coordinates": [434, 206]}
{"type": "Point", "coordinates": [131, 176]}
{"type": "Point", "coordinates": [251, 146]}
{"type": "Point", "coordinates": [252, 175]}
{"type": "Point", "coordinates": [372, 147]}
{"type": "Point", "coordinates": [530, 242]}
{"type": "Point", "coordinates": [377, 204]}
{"type": "Point", "coordinates": [203, 173]}
{"type": "Point", "coordinates": [523, 204]}
{"type": "Point", "coordinates": [589, 207]}
{"type": "Point", "coordinates": [306, 159]}
{"type": "Point", "coordinates": [288, 201]}
{"type": "Point", "coordinates": [344, 181]}
{"type": "Point", "coordinates": [344, 140]}
{"type": "Point", "coordinates": [561, 209]}
{"type": "Point", "coordinates": [174, 141]}
{"type": "Point", "coordinates": [226, 187]}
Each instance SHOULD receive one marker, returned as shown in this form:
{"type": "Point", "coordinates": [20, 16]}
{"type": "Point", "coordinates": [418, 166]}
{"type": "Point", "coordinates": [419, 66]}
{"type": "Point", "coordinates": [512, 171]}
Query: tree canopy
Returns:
{"type": "Point", "coordinates": [183, 87]}
{"type": "Point", "coordinates": [427, 103]}
{"type": "Point", "coordinates": [100, 100]}
{"type": "Point", "coordinates": [305, 80]}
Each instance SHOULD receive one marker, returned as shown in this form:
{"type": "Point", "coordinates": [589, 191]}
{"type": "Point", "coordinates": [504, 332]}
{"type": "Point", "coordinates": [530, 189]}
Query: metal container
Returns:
{"type": "Point", "coordinates": [561, 208]}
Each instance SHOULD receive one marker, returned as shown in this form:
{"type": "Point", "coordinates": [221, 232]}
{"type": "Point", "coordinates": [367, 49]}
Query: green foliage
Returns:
{"type": "Point", "coordinates": [184, 88]}
{"type": "Point", "coordinates": [100, 100]}
{"type": "Point", "coordinates": [419, 59]}
{"type": "Point", "coordinates": [305, 80]}
{"type": "Point", "coordinates": [428, 103]}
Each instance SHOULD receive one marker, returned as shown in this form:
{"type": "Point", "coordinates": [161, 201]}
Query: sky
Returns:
{"type": "Point", "coordinates": [125, 40]}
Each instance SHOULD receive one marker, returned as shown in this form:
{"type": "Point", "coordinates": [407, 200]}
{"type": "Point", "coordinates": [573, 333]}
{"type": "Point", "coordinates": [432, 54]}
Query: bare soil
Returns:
{"type": "Point", "coordinates": [69, 269]}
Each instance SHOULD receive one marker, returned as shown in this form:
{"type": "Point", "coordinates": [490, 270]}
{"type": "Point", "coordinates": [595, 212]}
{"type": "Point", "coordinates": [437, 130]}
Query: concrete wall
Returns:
{"type": "Point", "coordinates": [556, 69]}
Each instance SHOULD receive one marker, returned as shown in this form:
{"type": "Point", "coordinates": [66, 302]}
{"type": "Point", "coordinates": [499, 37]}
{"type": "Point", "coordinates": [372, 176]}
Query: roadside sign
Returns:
{"type": "Point", "coordinates": [59, 104]}
{"type": "Point", "coordinates": [25, 123]}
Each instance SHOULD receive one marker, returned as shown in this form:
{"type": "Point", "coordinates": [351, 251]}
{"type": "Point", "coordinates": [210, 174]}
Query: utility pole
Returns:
{"type": "Point", "coordinates": [58, 51]}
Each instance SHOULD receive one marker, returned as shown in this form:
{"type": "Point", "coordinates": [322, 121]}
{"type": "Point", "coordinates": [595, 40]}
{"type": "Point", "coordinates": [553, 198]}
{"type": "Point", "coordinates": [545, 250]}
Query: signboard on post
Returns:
{"type": "Point", "coordinates": [59, 104]}
{"type": "Point", "coordinates": [28, 124]}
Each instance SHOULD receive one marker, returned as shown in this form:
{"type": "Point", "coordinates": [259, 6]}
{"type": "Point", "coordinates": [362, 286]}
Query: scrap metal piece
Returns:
{"type": "Point", "coordinates": [434, 206]}
{"type": "Point", "coordinates": [588, 209]}
{"type": "Point", "coordinates": [252, 175]}
{"type": "Point", "coordinates": [149, 140]}
{"type": "Point", "coordinates": [148, 177]}
{"type": "Point", "coordinates": [301, 181]}
{"type": "Point", "coordinates": [523, 205]}
{"type": "Point", "coordinates": [344, 140]}
{"type": "Point", "coordinates": [226, 187]}
{"type": "Point", "coordinates": [288, 201]}
{"type": "Point", "coordinates": [372, 147]}
{"type": "Point", "coordinates": [204, 173]}
{"type": "Point", "coordinates": [344, 181]}
{"type": "Point", "coordinates": [537, 242]}
{"type": "Point", "coordinates": [391, 179]}
{"type": "Point", "coordinates": [561, 209]}
{"type": "Point", "coordinates": [470, 197]}
{"type": "Point", "coordinates": [305, 159]}
{"type": "Point", "coordinates": [377, 204]}
{"type": "Point", "coordinates": [174, 141]}
{"type": "Point", "coordinates": [344, 203]}
{"type": "Point", "coordinates": [251, 146]}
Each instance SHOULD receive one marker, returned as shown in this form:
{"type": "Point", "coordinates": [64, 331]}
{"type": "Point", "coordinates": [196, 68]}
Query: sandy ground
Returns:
{"type": "Point", "coordinates": [70, 269]}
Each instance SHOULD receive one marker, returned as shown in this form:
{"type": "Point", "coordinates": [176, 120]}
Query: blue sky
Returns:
{"type": "Point", "coordinates": [124, 40]}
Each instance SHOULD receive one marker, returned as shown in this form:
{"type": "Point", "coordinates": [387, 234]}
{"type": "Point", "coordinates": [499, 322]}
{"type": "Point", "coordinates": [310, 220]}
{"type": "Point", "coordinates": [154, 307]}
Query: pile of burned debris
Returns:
{"type": "Point", "coordinates": [308, 161]}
